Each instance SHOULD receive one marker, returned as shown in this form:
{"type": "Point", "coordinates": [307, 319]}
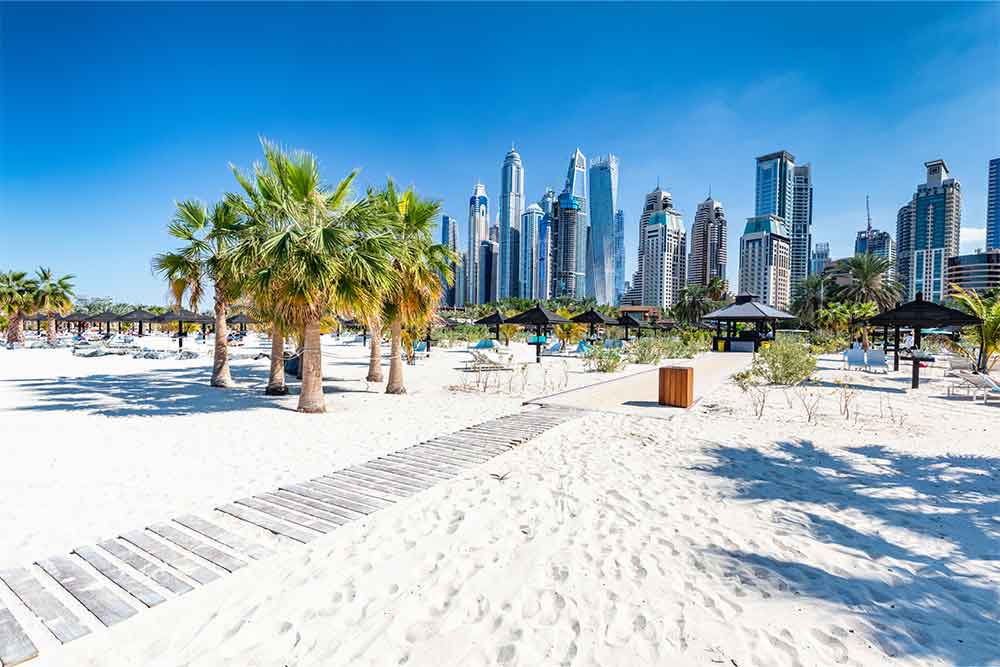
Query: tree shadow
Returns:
{"type": "Point", "coordinates": [935, 606]}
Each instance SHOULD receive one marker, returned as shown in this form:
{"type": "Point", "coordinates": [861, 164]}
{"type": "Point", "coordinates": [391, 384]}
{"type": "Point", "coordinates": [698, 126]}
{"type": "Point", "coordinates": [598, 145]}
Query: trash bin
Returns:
{"type": "Point", "coordinates": [676, 386]}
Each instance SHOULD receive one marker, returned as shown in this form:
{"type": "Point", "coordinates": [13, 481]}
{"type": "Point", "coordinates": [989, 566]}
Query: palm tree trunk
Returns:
{"type": "Point", "coordinates": [276, 380]}
{"type": "Point", "coordinates": [15, 329]}
{"type": "Point", "coordinates": [220, 364]}
{"type": "Point", "coordinates": [375, 357]}
{"type": "Point", "coordinates": [50, 328]}
{"type": "Point", "coordinates": [311, 399]}
{"type": "Point", "coordinates": [395, 384]}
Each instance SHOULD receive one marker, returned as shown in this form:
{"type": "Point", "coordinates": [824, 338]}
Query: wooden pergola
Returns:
{"type": "Point", "coordinates": [746, 309]}
{"type": "Point", "coordinates": [541, 319]}
{"type": "Point", "coordinates": [594, 319]}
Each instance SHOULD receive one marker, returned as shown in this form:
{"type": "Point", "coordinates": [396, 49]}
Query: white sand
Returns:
{"type": "Point", "coordinates": [711, 539]}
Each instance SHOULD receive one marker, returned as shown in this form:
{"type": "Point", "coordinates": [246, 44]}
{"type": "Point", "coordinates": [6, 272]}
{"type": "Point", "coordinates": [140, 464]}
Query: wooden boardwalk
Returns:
{"type": "Point", "coordinates": [67, 596]}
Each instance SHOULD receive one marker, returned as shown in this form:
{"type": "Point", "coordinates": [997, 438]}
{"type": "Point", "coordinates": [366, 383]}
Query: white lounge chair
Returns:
{"type": "Point", "coordinates": [854, 358]}
{"type": "Point", "coordinates": [876, 361]}
{"type": "Point", "coordinates": [975, 383]}
{"type": "Point", "coordinates": [488, 361]}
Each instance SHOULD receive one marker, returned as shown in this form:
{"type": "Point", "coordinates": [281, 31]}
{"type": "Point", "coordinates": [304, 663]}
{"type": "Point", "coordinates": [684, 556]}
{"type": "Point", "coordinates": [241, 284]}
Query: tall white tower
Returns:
{"type": "Point", "coordinates": [511, 208]}
{"type": "Point", "coordinates": [479, 215]}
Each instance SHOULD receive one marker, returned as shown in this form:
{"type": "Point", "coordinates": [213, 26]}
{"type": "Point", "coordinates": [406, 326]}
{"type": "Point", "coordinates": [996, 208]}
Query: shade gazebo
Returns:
{"type": "Point", "coordinates": [180, 316]}
{"type": "Point", "coordinates": [243, 320]}
{"type": "Point", "coordinates": [107, 317]}
{"type": "Point", "coordinates": [494, 319]}
{"type": "Point", "coordinates": [138, 315]}
{"type": "Point", "coordinates": [747, 309]}
{"type": "Point", "coordinates": [919, 314]}
{"type": "Point", "coordinates": [37, 318]}
{"type": "Point", "coordinates": [77, 317]}
{"type": "Point", "coordinates": [541, 319]}
{"type": "Point", "coordinates": [627, 321]}
{"type": "Point", "coordinates": [593, 318]}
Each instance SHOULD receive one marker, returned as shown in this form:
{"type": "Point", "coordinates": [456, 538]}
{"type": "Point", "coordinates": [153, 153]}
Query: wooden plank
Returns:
{"type": "Point", "coordinates": [382, 486]}
{"type": "Point", "coordinates": [340, 491]}
{"type": "Point", "coordinates": [304, 505]}
{"type": "Point", "coordinates": [392, 468]}
{"type": "Point", "coordinates": [301, 492]}
{"type": "Point", "coordinates": [429, 461]}
{"type": "Point", "coordinates": [60, 621]}
{"type": "Point", "coordinates": [360, 488]}
{"type": "Point", "coordinates": [171, 557]}
{"type": "Point", "coordinates": [442, 458]}
{"type": "Point", "coordinates": [213, 555]}
{"type": "Point", "coordinates": [481, 439]}
{"type": "Point", "coordinates": [407, 483]}
{"type": "Point", "coordinates": [453, 453]}
{"type": "Point", "coordinates": [393, 476]}
{"type": "Point", "coordinates": [325, 495]}
{"type": "Point", "coordinates": [15, 647]}
{"type": "Point", "coordinates": [288, 515]}
{"type": "Point", "coordinates": [91, 593]}
{"type": "Point", "coordinates": [471, 448]}
{"type": "Point", "coordinates": [120, 577]}
{"type": "Point", "coordinates": [403, 467]}
{"type": "Point", "coordinates": [152, 570]}
{"type": "Point", "coordinates": [223, 536]}
{"type": "Point", "coordinates": [268, 522]}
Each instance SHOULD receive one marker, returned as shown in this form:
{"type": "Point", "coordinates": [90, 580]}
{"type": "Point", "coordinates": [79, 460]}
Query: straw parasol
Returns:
{"type": "Point", "coordinates": [138, 315]}
{"type": "Point", "coordinates": [627, 321]}
{"type": "Point", "coordinates": [494, 319]}
{"type": "Point", "coordinates": [592, 318]}
{"type": "Point", "coordinates": [540, 318]}
{"type": "Point", "coordinates": [243, 320]}
{"type": "Point", "coordinates": [106, 317]}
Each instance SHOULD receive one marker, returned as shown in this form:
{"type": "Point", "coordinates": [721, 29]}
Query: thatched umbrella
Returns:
{"type": "Point", "coordinates": [77, 317]}
{"type": "Point", "coordinates": [138, 315]}
{"type": "Point", "coordinates": [626, 320]}
{"type": "Point", "coordinates": [920, 314]}
{"type": "Point", "coordinates": [106, 317]}
{"type": "Point", "coordinates": [593, 318]}
{"type": "Point", "coordinates": [540, 318]}
{"type": "Point", "coordinates": [180, 316]}
{"type": "Point", "coordinates": [745, 308]}
{"type": "Point", "coordinates": [37, 318]}
{"type": "Point", "coordinates": [243, 320]}
{"type": "Point", "coordinates": [494, 319]}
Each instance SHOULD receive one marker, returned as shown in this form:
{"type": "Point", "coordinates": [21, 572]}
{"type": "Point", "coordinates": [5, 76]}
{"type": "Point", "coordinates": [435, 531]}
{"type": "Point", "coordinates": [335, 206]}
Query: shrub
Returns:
{"type": "Point", "coordinates": [645, 351]}
{"type": "Point", "coordinates": [785, 361]}
{"type": "Point", "coordinates": [827, 342]}
{"type": "Point", "coordinates": [604, 361]}
{"type": "Point", "coordinates": [698, 340]}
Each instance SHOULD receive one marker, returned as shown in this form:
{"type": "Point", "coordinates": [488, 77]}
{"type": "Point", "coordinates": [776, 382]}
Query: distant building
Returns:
{"type": "Point", "coordinates": [511, 207]}
{"type": "Point", "coordinates": [619, 234]}
{"type": "Point", "coordinates": [931, 228]}
{"type": "Point", "coordinates": [546, 230]}
{"type": "Point", "coordinates": [665, 256]}
{"type": "Point", "coordinates": [600, 269]}
{"type": "Point", "coordinates": [495, 234]}
{"type": "Point", "coordinates": [786, 191]}
{"type": "Point", "coordinates": [531, 222]}
{"type": "Point", "coordinates": [904, 248]}
{"type": "Point", "coordinates": [570, 234]}
{"type": "Point", "coordinates": [489, 270]}
{"type": "Point", "coordinates": [460, 287]}
{"type": "Point", "coordinates": [449, 239]}
{"type": "Point", "coordinates": [657, 200]}
{"type": "Point", "coordinates": [479, 216]}
{"type": "Point", "coordinates": [993, 206]}
{"type": "Point", "coordinates": [979, 271]}
{"type": "Point", "coordinates": [708, 244]}
{"type": "Point", "coordinates": [882, 245]}
{"type": "Point", "coordinates": [820, 258]}
{"type": "Point", "coordinates": [765, 257]}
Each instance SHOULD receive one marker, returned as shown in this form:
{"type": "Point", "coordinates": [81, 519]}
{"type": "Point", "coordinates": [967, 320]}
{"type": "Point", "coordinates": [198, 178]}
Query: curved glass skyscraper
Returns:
{"type": "Point", "coordinates": [511, 207]}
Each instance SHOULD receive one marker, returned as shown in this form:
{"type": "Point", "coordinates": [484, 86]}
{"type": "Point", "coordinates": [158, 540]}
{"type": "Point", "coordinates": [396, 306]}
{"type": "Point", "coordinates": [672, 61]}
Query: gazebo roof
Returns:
{"type": "Point", "coordinates": [242, 318]}
{"type": "Point", "coordinates": [106, 316]}
{"type": "Point", "coordinates": [138, 315]}
{"type": "Point", "coordinates": [592, 317]}
{"type": "Point", "coordinates": [923, 314]}
{"type": "Point", "coordinates": [76, 316]}
{"type": "Point", "coordinates": [36, 317]}
{"type": "Point", "coordinates": [537, 316]}
{"type": "Point", "coordinates": [181, 315]}
{"type": "Point", "coordinates": [492, 319]}
{"type": "Point", "coordinates": [746, 308]}
{"type": "Point", "coordinates": [626, 320]}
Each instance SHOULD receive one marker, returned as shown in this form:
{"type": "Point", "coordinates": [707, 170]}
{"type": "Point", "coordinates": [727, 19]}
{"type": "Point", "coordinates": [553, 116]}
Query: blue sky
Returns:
{"type": "Point", "coordinates": [110, 113]}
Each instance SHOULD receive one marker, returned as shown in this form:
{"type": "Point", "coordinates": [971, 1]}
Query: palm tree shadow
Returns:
{"type": "Point", "coordinates": [948, 502]}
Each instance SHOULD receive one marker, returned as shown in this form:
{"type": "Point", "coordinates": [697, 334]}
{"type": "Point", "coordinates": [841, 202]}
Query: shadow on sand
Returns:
{"type": "Point", "coordinates": [927, 606]}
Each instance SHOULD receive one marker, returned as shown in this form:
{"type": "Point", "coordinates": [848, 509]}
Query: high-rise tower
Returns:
{"type": "Point", "coordinates": [765, 260]}
{"type": "Point", "coordinates": [708, 243]}
{"type": "Point", "coordinates": [664, 257]}
{"type": "Point", "coordinates": [449, 239]}
{"type": "Point", "coordinates": [600, 267]}
{"type": "Point", "coordinates": [993, 206]}
{"type": "Point", "coordinates": [657, 200]}
{"type": "Point", "coordinates": [531, 221]}
{"type": "Point", "coordinates": [786, 191]}
{"type": "Point", "coordinates": [479, 212]}
{"type": "Point", "coordinates": [619, 256]}
{"type": "Point", "coordinates": [511, 207]}
{"type": "Point", "coordinates": [800, 229]}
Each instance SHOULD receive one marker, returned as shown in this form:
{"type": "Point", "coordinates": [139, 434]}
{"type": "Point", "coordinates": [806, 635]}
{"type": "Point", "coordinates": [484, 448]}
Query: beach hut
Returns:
{"type": "Point", "coordinates": [242, 320]}
{"type": "Point", "coordinates": [593, 318]}
{"type": "Point", "coordinates": [542, 320]}
{"type": "Point", "coordinates": [745, 309]}
{"type": "Point", "coordinates": [138, 315]}
{"type": "Point", "coordinates": [180, 316]}
{"type": "Point", "coordinates": [107, 317]}
{"type": "Point", "coordinates": [919, 314]}
{"type": "Point", "coordinates": [494, 319]}
{"type": "Point", "coordinates": [627, 321]}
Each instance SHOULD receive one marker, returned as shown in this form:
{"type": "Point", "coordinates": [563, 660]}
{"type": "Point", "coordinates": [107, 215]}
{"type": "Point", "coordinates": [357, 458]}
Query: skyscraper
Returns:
{"type": "Point", "coordinates": [786, 191]}
{"type": "Point", "coordinates": [489, 270]}
{"type": "Point", "coordinates": [904, 248]}
{"type": "Point", "coordinates": [449, 239]}
{"type": "Point", "coordinates": [546, 232]}
{"type": "Point", "coordinates": [932, 227]}
{"type": "Point", "coordinates": [657, 200]}
{"type": "Point", "coordinates": [665, 257]}
{"type": "Point", "coordinates": [479, 212]}
{"type": "Point", "coordinates": [765, 258]}
{"type": "Point", "coordinates": [881, 245]}
{"type": "Point", "coordinates": [820, 258]}
{"type": "Point", "coordinates": [708, 243]}
{"type": "Point", "coordinates": [567, 278]}
{"type": "Point", "coordinates": [993, 206]}
{"type": "Point", "coordinates": [619, 256]}
{"type": "Point", "coordinates": [511, 207]}
{"type": "Point", "coordinates": [600, 267]}
{"type": "Point", "coordinates": [531, 221]}
{"type": "Point", "coordinates": [801, 223]}
{"type": "Point", "coordinates": [576, 185]}
{"type": "Point", "coordinates": [460, 287]}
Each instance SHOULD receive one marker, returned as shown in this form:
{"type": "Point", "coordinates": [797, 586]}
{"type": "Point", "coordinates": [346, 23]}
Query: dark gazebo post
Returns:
{"type": "Point", "coordinates": [895, 359]}
{"type": "Point", "coordinates": [915, 379]}
{"type": "Point", "coordinates": [364, 337]}
{"type": "Point", "coordinates": [427, 339]}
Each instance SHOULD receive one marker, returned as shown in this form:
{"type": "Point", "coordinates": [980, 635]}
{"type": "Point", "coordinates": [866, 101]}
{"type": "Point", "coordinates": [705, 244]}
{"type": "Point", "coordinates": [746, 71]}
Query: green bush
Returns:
{"type": "Point", "coordinates": [698, 340]}
{"type": "Point", "coordinates": [785, 361]}
{"type": "Point", "coordinates": [827, 342]}
{"type": "Point", "coordinates": [645, 351]}
{"type": "Point", "coordinates": [604, 361]}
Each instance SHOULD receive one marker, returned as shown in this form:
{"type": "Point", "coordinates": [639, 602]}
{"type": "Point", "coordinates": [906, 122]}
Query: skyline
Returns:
{"type": "Point", "coordinates": [89, 146]}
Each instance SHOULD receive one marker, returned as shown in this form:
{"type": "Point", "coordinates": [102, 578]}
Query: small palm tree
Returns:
{"type": "Point", "coordinates": [987, 334]}
{"type": "Point", "coordinates": [717, 288]}
{"type": "Point", "coordinates": [207, 236]}
{"type": "Point", "coordinates": [870, 281]}
{"type": "Point", "coordinates": [54, 297]}
{"type": "Point", "coordinates": [692, 302]}
{"type": "Point", "coordinates": [569, 333]}
{"type": "Point", "coordinates": [17, 299]}
{"type": "Point", "coordinates": [810, 298]}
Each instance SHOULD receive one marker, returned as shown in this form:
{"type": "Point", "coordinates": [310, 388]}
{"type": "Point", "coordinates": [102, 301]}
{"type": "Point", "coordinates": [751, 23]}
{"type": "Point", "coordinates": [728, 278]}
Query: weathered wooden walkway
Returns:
{"type": "Point", "coordinates": [64, 597]}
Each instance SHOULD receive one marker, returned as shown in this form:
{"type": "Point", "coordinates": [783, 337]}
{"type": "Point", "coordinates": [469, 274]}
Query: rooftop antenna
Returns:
{"type": "Point", "coordinates": [868, 212]}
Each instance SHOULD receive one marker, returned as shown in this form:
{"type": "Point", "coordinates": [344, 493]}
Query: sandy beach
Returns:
{"type": "Point", "coordinates": [710, 538]}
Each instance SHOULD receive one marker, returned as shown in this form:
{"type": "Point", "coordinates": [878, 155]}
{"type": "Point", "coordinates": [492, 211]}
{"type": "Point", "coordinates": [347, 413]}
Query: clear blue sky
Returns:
{"type": "Point", "coordinates": [110, 113]}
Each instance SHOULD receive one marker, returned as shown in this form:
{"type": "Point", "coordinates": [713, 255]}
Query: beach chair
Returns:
{"type": "Point", "coordinates": [958, 364]}
{"type": "Point", "coordinates": [975, 383]}
{"type": "Point", "coordinates": [854, 359]}
{"type": "Point", "coordinates": [485, 344]}
{"type": "Point", "coordinates": [556, 348]}
{"type": "Point", "coordinates": [876, 361]}
{"type": "Point", "coordinates": [488, 361]}
{"type": "Point", "coordinates": [420, 349]}
{"type": "Point", "coordinates": [583, 347]}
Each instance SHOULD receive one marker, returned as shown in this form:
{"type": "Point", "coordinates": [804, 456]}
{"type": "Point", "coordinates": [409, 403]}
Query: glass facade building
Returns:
{"type": "Point", "coordinates": [479, 216]}
{"type": "Point", "coordinates": [511, 207]}
{"type": "Point", "coordinates": [600, 267]}
{"type": "Point", "coordinates": [531, 222]}
{"type": "Point", "coordinates": [932, 228]}
{"type": "Point", "coordinates": [993, 206]}
{"type": "Point", "coordinates": [619, 256]}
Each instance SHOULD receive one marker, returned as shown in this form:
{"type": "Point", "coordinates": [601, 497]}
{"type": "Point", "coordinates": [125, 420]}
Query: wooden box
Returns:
{"type": "Point", "coordinates": [676, 386]}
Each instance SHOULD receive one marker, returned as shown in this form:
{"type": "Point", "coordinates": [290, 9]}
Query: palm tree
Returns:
{"type": "Point", "coordinates": [987, 334]}
{"type": "Point", "coordinates": [717, 288]}
{"type": "Point", "coordinates": [419, 265]}
{"type": "Point", "coordinates": [692, 303]}
{"type": "Point", "coordinates": [570, 332]}
{"type": "Point", "coordinates": [850, 317]}
{"type": "Point", "coordinates": [53, 296]}
{"type": "Point", "coordinates": [810, 298]}
{"type": "Point", "coordinates": [870, 281]}
{"type": "Point", "coordinates": [17, 298]}
{"type": "Point", "coordinates": [314, 248]}
{"type": "Point", "coordinates": [207, 235]}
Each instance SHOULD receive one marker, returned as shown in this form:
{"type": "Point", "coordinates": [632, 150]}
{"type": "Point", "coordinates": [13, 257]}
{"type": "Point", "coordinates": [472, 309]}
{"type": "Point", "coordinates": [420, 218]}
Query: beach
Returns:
{"type": "Point", "coordinates": [710, 537]}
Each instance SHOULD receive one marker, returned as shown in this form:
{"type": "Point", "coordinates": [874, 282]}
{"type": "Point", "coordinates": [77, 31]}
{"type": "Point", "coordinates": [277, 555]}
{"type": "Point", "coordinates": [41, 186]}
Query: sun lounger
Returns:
{"type": "Point", "coordinates": [876, 361]}
{"type": "Point", "coordinates": [854, 358]}
{"type": "Point", "coordinates": [976, 383]}
{"type": "Point", "coordinates": [485, 344]}
{"type": "Point", "coordinates": [556, 348]}
{"type": "Point", "coordinates": [583, 347]}
{"type": "Point", "coordinates": [488, 361]}
{"type": "Point", "coordinates": [957, 364]}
